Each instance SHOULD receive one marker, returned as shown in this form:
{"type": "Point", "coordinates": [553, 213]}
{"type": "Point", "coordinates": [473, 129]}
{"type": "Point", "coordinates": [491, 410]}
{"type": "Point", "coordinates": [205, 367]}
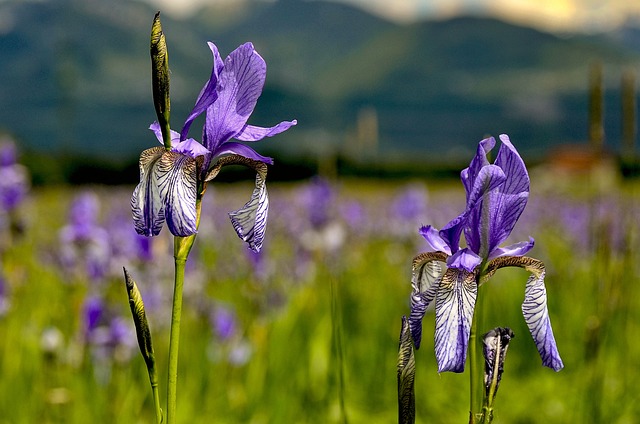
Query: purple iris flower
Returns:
{"type": "Point", "coordinates": [496, 196]}
{"type": "Point", "coordinates": [170, 180]}
{"type": "Point", "coordinates": [14, 178]}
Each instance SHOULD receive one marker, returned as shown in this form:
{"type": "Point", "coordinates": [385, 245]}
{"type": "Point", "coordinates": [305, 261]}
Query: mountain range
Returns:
{"type": "Point", "coordinates": [76, 78]}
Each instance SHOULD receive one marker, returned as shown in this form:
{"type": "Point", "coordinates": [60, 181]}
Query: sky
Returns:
{"type": "Point", "coordinates": [551, 15]}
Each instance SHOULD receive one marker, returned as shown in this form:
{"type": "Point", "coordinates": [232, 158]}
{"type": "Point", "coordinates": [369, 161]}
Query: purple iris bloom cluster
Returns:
{"type": "Point", "coordinates": [171, 181]}
{"type": "Point", "coordinates": [496, 195]}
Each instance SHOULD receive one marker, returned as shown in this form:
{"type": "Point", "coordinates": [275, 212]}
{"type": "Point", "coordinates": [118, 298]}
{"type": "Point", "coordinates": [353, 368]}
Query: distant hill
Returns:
{"type": "Point", "coordinates": [76, 78]}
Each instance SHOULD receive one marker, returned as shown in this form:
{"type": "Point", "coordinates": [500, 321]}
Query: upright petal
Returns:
{"type": "Point", "coordinates": [468, 175]}
{"type": "Point", "coordinates": [253, 133]}
{"type": "Point", "coordinates": [455, 303]}
{"type": "Point", "coordinates": [239, 86]}
{"type": "Point", "coordinates": [146, 203]}
{"type": "Point", "coordinates": [426, 273]}
{"type": "Point", "coordinates": [208, 94]}
{"type": "Point", "coordinates": [175, 175]}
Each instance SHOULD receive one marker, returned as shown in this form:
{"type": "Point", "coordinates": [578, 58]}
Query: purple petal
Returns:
{"type": "Point", "coordinates": [253, 133]}
{"type": "Point", "coordinates": [517, 249]}
{"type": "Point", "coordinates": [536, 315]}
{"type": "Point", "coordinates": [146, 203]}
{"type": "Point", "coordinates": [208, 94]}
{"type": "Point", "coordinates": [451, 232]}
{"type": "Point", "coordinates": [455, 302]}
{"type": "Point", "coordinates": [155, 127]}
{"type": "Point", "coordinates": [233, 148]}
{"type": "Point", "coordinates": [432, 237]}
{"type": "Point", "coordinates": [479, 161]}
{"type": "Point", "coordinates": [464, 259]}
{"type": "Point", "coordinates": [239, 86]}
{"type": "Point", "coordinates": [190, 147]}
{"type": "Point", "coordinates": [175, 175]}
{"type": "Point", "coordinates": [425, 279]}
{"type": "Point", "coordinates": [250, 222]}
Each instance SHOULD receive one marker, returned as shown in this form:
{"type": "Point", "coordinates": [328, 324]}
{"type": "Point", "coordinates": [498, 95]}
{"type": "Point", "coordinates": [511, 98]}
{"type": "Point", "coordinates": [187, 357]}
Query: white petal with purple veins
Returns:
{"type": "Point", "coordinates": [146, 202]}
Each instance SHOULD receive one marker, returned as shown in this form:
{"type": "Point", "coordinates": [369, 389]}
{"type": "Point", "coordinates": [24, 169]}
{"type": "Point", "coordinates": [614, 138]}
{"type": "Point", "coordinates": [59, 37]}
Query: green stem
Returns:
{"type": "Point", "coordinates": [156, 396]}
{"type": "Point", "coordinates": [473, 371]}
{"type": "Point", "coordinates": [181, 248]}
{"type": "Point", "coordinates": [174, 340]}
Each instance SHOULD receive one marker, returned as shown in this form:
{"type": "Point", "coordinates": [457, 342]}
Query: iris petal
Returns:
{"type": "Point", "coordinates": [175, 175]}
{"type": "Point", "coordinates": [406, 376]}
{"type": "Point", "coordinates": [434, 239]}
{"type": "Point", "coordinates": [250, 222]}
{"type": "Point", "coordinates": [239, 86]}
{"type": "Point", "coordinates": [455, 303]}
{"type": "Point", "coordinates": [517, 249]}
{"type": "Point", "coordinates": [253, 133]}
{"type": "Point", "coordinates": [425, 279]}
{"type": "Point", "coordinates": [536, 315]}
{"type": "Point", "coordinates": [146, 202]}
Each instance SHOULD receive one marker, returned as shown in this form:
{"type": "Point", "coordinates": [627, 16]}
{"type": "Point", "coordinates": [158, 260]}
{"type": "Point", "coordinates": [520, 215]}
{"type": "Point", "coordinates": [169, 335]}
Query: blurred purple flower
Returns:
{"type": "Point", "coordinates": [14, 179]}
{"type": "Point", "coordinates": [169, 179]}
{"type": "Point", "coordinates": [496, 196]}
{"type": "Point", "coordinates": [223, 322]}
{"type": "Point", "coordinates": [83, 243]}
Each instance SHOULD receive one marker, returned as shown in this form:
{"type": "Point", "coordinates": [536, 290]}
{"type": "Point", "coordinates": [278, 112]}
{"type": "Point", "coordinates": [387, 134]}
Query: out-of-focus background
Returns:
{"type": "Point", "coordinates": [402, 82]}
{"type": "Point", "coordinates": [391, 98]}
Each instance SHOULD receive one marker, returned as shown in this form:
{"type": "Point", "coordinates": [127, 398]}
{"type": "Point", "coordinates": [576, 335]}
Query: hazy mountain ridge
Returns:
{"type": "Point", "coordinates": [76, 76]}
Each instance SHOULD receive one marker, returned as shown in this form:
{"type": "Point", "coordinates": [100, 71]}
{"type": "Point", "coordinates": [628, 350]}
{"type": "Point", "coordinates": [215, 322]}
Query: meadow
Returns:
{"type": "Point", "coordinates": [307, 331]}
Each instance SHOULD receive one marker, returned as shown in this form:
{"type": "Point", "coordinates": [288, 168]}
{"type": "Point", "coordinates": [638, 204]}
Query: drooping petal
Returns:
{"type": "Point", "coordinates": [517, 249]}
{"type": "Point", "coordinates": [240, 84]}
{"type": "Point", "coordinates": [464, 259]}
{"type": "Point", "coordinates": [146, 201]}
{"type": "Point", "coordinates": [536, 315]}
{"type": "Point", "coordinates": [534, 307]}
{"type": "Point", "coordinates": [426, 273]}
{"type": "Point", "coordinates": [208, 94]}
{"type": "Point", "coordinates": [455, 303]}
{"type": "Point", "coordinates": [175, 175]}
{"type": "Point", "coordinates": [434, 239]}
{"type": "Point", "coordinates": [253, 133]}
{"type": "Point", "coordinates": [406, 376]}
{"type": "Point", "coordinates": [250, 222]}
{"type": "Point", "coordinates": [234, 148]}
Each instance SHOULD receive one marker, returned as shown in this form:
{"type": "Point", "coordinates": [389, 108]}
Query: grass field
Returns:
{"type": "Point", "coordinates": [308, 331]}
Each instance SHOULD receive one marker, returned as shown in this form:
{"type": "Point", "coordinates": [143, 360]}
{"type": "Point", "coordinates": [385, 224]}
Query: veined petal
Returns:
{"type": "Point", "coordinates": [250, 222]}
{"type": "Point", "coordinates": [426, 273]}
{"type": "Point", "coordinates": [517, 249]}
{"type": "Point", "coordinates": [253, 133]}
{"type": "Point", "coordinates": [434, 239]}
{"type": "Point", "coordinates": [511, 163]}
{"type": "Point", "coordinates": [534, 307]}
{"type": "Point", "coordinates": [451, 232]}
{"type": "Point", "coordinates": [239, 86]}
{"type": "Point", "coordinates": [208, 94]}
{"type": "Point", "coordinates": [234, 148]}
{"type": "Point", "coordinates": [455, 303]}
{"type": "Point", "coordinates": [146, 202]}
{"type": "Point", "coordinates": [175, 175]}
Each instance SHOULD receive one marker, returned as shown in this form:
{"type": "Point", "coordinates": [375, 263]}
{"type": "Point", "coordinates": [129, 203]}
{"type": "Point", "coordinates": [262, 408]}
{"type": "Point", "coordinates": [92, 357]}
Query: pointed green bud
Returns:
{"type": "Point", "coordinates": [406, 376]}
{"type": "Point", "coordinates": [140, 321]}
{"type": "Point", "coordinates": [160, 79]}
